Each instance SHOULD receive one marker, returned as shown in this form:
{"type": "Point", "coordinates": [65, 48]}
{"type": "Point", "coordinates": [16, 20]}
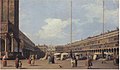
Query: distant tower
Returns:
{"type": "Point", "coordinates": [9, 22]}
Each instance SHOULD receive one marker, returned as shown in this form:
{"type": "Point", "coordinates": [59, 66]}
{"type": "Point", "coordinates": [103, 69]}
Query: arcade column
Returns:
{"type": "Point", "coordinates": [5, 37]}
{"type": "Point", "coordinates": [12, 43]}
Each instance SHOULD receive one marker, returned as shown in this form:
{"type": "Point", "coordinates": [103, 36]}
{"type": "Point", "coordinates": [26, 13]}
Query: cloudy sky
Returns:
{"type": "Point", "coordinates": [48, 21]}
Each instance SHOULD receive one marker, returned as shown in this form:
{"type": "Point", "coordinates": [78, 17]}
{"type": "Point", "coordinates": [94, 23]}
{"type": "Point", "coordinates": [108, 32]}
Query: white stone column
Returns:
{"type": "Point", "coordinates": [6, 46]}
{"type": "Point", "coordinates": [12, 44]}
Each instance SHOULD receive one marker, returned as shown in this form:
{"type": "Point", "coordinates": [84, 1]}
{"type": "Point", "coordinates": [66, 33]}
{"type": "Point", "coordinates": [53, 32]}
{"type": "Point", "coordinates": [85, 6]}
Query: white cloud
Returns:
{"type": "Point", "coordinates": [53, 29]}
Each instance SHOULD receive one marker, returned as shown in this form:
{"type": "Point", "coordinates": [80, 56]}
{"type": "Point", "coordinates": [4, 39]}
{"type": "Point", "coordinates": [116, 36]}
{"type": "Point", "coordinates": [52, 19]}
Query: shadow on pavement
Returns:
{"type": "Point", "coordinates": [23, 68]}
{"type": "Point", "coordinates": [35, 65]}
{"type": "Point", "coordinates": [10, 66]}
{"type": "Point", "coordinates": [94, 68]}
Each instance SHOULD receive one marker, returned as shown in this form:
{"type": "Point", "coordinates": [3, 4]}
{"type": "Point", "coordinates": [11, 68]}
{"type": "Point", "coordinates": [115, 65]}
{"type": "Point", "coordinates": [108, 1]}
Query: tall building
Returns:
{"type": "Point", "coordinates": [59, 49]}
{"type": "Point", "coordinates": [43, 48]}
{"type": "Point", "coordinates": [12, 40]}
{"type": "Point", "coordinates": [107, 43]}
{"type": "Point", "coordinates": [9, 21]}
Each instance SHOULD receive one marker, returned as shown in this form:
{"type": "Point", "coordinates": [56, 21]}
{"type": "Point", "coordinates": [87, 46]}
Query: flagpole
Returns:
{"type": "Point", "coordinates": [103, 29]}
{"type": "Point", "coordinates": [71, 24]}
{"type": "Point", "coordinates": [103, 18]}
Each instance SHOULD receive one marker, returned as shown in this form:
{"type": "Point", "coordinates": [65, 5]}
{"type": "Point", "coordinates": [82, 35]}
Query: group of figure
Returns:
{"type": "Point", "coordinates": [73, 61]}
{"type": "Point", "coordinates": [31, 60]}
{"type": "Point", "coordinates": [18, 63]}
{"type": "Point", "coordinates": [89, 63]}
{"type": "Point", "coordinates": [51, 59]}
{"type": "Point", "coordinates": [4, 60]}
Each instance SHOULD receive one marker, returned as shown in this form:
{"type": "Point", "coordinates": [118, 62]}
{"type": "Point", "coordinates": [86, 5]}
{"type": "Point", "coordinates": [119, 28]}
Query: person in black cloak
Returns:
{"type": "Point", "coordinates": [71, 55]}
{"type": "Point", "coordinates": [53, 61]}
{"type": "Point", "coordinates": [75, 61]}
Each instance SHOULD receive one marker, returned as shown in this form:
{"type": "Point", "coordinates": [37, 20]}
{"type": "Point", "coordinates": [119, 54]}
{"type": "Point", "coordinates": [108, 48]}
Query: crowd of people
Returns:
{"type": "Point", "coordinates": [51, 60]}
{"type": "Point", "coordinates": [31, 60]}
{"type": "Point", "coordinates": [18, 63]}
{"type": "Point", "coordinates": [73, 61]}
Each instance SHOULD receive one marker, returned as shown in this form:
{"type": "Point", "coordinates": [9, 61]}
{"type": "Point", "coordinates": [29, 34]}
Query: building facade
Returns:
{"type": "Point", "coordinates": [59, 49]}
{"type": "Point", "coordinates": [9, 34]}
{"type": "Point", "coordinates": [27, 47]}
{"type": "Point", "coordinates": [51, 49]}
{"type": "Point", "coordinates": [43, 48]}
{"type": "Point", "coordinates": [107, 42]}
{"type": "Point", "coordinates": [13, 41]}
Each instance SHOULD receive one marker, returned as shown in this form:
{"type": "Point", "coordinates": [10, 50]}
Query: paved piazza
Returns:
{"type": "Point", "coordinates": [43, 64]}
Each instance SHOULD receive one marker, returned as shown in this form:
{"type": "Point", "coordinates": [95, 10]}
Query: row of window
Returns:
{"type": "Point", "coordinates": [107, 40]}
{"type": "Point", "coordinates": [98, 46]}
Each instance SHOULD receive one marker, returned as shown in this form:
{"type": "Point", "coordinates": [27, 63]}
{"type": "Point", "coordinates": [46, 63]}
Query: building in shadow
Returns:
{"type": "Point", "coordinates": [13, 41]}
{"type": "Point", "coordinates": [9, 34]}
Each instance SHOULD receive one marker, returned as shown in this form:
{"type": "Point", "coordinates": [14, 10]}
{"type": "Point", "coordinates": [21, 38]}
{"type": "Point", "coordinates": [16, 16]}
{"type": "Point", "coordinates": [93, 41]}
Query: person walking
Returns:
{"type": "Point", "coordinates": [4, 60]}
{"type": "Point", "coordinates": [17, 62]}
{"type": "Point", "coordinates": [75, 62]}
{"type": "Point", "coordinates": [20, 64]}
{"type": "Point", "coordinates": [89, 63]}
{"type": "Point", "coordinates": [29, 60]}
{"type": "Point", "coordinates": [53, 61]}
{"type": "Point", "coordinates": [32, 59]}
{"type": "Point", "coordinates": [36, 57]}
{"type": "Point", "coordinates": [72, 62]}
{"type": "Point", "coordinates": [49, 59]}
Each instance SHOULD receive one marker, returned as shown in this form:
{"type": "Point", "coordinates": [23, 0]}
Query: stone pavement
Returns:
{"type": "Point", "coordinates": [43, 64]}
{"type": "Point", "coordinates": [108, 65]}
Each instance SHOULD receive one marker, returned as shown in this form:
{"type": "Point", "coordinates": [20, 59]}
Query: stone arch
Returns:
{"type": "Point", "coordinates": [112, 50]}
{"type": "Point", "coordinates": [118, 51]}
{"type": "Point", "coordinates": [100, 50]}
{"type": "Point", "coordinates": [109, 50]}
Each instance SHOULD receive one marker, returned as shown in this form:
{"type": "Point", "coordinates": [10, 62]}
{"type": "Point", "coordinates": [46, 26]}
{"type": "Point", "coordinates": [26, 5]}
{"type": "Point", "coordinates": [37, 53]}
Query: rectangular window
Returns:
{"type": "Point", "coordinates": [116, 44]}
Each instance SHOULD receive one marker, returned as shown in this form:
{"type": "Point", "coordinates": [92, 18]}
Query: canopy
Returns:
{"type": "Point", "coordinates": [97, 53]}
{"type": "Point", "coordinates": [77, 53]}
{"type": "Point", "coordinates": [57, 54]}
{"type": "Point", "coordinates": [64, 54]}
{"type": "Point", "coordinates": [108, 53]}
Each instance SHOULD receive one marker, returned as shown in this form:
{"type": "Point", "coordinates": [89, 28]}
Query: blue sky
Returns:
{"type": "Point", "coordinates": [48, 21]}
